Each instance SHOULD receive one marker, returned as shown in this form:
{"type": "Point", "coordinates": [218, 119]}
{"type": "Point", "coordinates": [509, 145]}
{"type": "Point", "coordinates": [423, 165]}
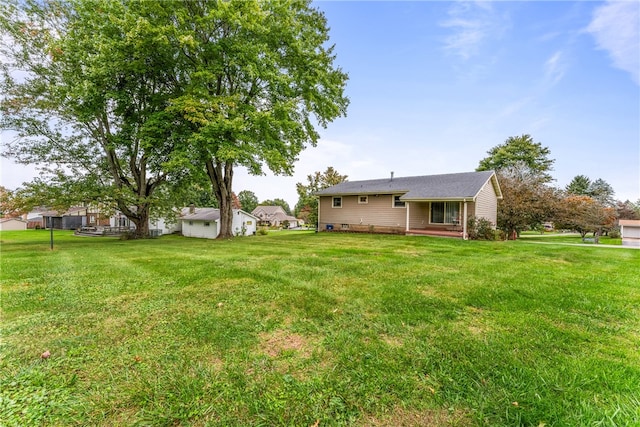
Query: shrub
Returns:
{"type": "Point", "coordinates": [262, 231]}
{"type": "Point", "coordinates": [480, 229]}
{"type": "Point", "coordinates": [614, 233]}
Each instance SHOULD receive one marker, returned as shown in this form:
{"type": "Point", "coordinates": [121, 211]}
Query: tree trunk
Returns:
{"type": "Point", "coordinates": [221, 176]}
{"type": "Point", "coordinates": [139, 216]}
{"type": "Point", "coordinates": [141, 220]}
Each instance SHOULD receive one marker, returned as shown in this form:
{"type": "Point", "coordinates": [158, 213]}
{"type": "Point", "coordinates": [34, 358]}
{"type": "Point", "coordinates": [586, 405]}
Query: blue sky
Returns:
{"type": "Point", "coordinates": [435, 85]}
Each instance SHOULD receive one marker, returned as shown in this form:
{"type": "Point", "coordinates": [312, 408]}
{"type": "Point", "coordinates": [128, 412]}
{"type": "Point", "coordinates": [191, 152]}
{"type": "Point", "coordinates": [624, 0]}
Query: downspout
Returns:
{"type": "Point", "coordinates": [406, 229]}
{"type": "Point", "coordinates": [318, 223]}
{"type": "Point", "coordinates": [464, 221]}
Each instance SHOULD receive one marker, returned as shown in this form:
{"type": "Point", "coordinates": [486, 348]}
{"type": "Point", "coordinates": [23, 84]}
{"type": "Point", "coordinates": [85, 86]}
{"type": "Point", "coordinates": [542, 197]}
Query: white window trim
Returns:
{"type": "Point", "coordinates": [366, 200]}
{"type": "Point", "coordinates": [393, 202]}
{"type": "Point", "coordinates": [333, 204]}
{"type": "Point", "coordinates": [444, 213]}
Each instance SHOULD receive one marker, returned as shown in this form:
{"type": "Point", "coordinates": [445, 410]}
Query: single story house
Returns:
{"type": "Point", "coordinates": [205, 223]}
{"type": "Point", "coordinates": [73, 218]}
{"type": "Point", "coordinates": [12, 224]}
{"type": "Point", "coordinates": [431, 204]}
{"type": "Point", "coordinates": [630, 231]}
{"type": "Point", "coordinates": [274, 216]}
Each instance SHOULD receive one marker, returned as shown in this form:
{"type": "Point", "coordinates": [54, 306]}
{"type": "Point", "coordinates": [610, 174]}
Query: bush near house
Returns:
{"type": "Point", "coordinates": [481, 229]}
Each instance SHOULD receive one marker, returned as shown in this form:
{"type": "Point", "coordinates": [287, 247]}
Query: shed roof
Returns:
{"type": "Point", "coordinates": [453, 186]}
{"type": "Point", "coordinates": [209, 214]}
{"type": "Point", "coordinates": [203, 214]}
{"type": "Point", "coordinates": [3, 220]}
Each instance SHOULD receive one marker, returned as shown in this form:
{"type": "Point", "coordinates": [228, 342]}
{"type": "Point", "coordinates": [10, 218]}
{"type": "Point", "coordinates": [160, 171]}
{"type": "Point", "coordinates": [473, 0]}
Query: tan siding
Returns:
{"type": "Point", "coordinates": [13, 225]}
{"type": "Point", "coordinates": [419, 215]}
{"type": "Point", "coordinates": [377, 212]}
{"type": "Point", "coordinates": [487, 203]}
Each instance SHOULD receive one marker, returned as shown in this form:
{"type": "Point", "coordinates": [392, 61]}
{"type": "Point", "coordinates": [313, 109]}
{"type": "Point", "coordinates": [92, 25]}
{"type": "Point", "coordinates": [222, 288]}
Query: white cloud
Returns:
{"type": "Point", "coordinates": [616, 29]}
{"type": "Point", "coordinates": [472, 23]}
{"type": "Point", "coordinates": [554, 68]}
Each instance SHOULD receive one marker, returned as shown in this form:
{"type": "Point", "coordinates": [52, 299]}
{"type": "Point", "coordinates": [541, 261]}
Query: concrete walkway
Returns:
{"type": "Point", "coordinates": [591, 245]}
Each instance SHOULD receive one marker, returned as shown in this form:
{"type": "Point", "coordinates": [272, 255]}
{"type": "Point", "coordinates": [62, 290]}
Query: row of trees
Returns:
{"type": "Point", "coordinates": [524, 173]}
{"type": "Point", "coordinates": [141, 106]}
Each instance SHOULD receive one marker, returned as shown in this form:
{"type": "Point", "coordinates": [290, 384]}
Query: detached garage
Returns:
{"type": "Point", "coordinates": [12, 224]}
{"type": "Point", "coordinates": [204, 223]}
{"type": "Point", "coordinates": [630, 230]}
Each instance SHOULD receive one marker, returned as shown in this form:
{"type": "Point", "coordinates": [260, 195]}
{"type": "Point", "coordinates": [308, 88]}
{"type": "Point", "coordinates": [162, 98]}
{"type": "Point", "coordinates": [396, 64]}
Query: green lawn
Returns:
{"type": "Point", "coordinates": [557, 237]}
{"type": "Point", "coordinates": [305, 329]}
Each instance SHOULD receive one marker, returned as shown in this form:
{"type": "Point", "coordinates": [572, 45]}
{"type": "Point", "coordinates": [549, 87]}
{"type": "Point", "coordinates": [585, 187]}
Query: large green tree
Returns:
{"type": "Point", "coordinates": [122, 96]}
{"type": "Point", "coordinates": [86, 85]}
{"type": "Point", "coordinates": [259, 77]}
{"type": "Point", "coordinates": [248, 200]}
{"type": "Point", "coordinates": [307, 206]}
{"type": "Point", "coordinates": [520, 152]}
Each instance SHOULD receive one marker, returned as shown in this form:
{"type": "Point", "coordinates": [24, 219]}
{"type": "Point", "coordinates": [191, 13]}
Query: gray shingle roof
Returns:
{"type": "Point", "coordinates": [203, 214]}
{"type": "Point", "coordinates": [207, 214]}
{"type": "Point", "coordinates": [464, 185]}
{"type": "Point", "coordinates": [269, 210]}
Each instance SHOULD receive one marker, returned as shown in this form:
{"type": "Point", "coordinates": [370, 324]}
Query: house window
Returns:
{"type": "Point", "coordinates": [445, 212]}
{"type": "Point", "coordinates": [345, 226]}
{"type": "Point", "coordinates": [397, 203]}
{"type": "Point", "coordinates": [337, 202]}
{"type": "Point", "coordinates": [206, 224]}
{"type": "Point", "coordinates": [190, 222]}
{"type": "Point", "coordinates": [363, 200]}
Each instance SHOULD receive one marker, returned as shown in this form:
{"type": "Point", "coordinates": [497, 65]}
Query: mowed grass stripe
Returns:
{"type": "Point", "coordinates": [295, 328]}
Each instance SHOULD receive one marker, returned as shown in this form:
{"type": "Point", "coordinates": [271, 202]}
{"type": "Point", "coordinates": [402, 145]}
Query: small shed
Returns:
{"type": "Point", "coordinates": [12, 224]}
{"type": "Point", "coordinates": [205, 223]}
{"type": "Point", "coordinates": [630, 231]}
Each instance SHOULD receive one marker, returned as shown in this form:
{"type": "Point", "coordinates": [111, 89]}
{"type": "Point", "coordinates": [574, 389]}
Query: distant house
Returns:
{"type": "Point", "coordinates": [630, 231]}
{"type": "Point", "coordinates": [34, 218]}
{"type": "Point", "coordinates": [205, 223]}
{"type": "Point", "coordinates": [73, 218]}
{"type": "Point", "coordinates": [431, 204]}
{"type": "Point", "coordinates": [12, 224]}
{"type": "Point", "coordinates": [274, 216]}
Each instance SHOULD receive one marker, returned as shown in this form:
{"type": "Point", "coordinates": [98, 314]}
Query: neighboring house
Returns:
{"type": "Point", "coordinates": [274, 216]}
{"type": "Point", "coordinates": [34, 218]}
{"type": "Point", "coordinates": [165, 227]}
{"type": "Point", "coordinates": [156, 226]}
{"type": "Point", "coordinates": [12, 224]}
{"type": "Point", "coordinates": [73, 218]}
{"type": "Point", "coordinates": [410, 205]}
{"type": "Point", "coordinates": [205, 223]}
{"type": "Point", "coordinates": [630, 231]}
